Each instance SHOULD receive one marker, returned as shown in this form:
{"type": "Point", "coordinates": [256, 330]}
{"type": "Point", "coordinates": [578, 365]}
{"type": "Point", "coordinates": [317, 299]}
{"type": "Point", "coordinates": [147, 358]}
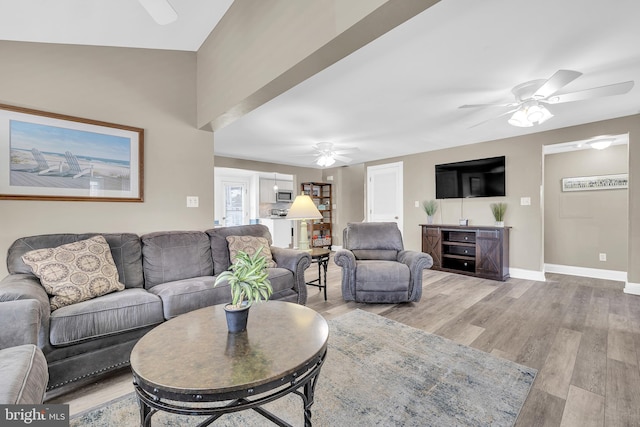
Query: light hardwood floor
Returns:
{"type": "Point", "coordinates": [581, 334]}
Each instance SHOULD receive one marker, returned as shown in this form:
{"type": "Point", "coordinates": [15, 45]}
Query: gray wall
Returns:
{"type": "Point", "coordinates": [578, 225]}
{"type": "Point", "coordinates": [524, 179]}
{"type": "Point", "coordinates": [151, 89]}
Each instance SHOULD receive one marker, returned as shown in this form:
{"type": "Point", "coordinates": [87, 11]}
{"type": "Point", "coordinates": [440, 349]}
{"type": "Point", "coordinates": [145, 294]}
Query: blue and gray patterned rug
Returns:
{"type": "Point", "coordinates": [379, 372]}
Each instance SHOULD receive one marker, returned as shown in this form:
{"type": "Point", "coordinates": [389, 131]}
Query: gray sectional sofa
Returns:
{"type": "Point", "coordinates": [165, 274]}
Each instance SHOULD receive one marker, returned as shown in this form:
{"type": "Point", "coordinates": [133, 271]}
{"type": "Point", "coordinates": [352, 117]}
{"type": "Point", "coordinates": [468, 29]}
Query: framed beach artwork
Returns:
{"type": "Point", "coordinates": [48, 156]}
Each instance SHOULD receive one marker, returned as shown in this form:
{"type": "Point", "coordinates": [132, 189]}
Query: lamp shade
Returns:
{"type": "Point", "coordinates": [303, 208]}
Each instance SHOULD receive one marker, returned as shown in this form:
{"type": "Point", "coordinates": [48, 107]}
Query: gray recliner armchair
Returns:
{"type": "Point", "coordinates": [375, 266]}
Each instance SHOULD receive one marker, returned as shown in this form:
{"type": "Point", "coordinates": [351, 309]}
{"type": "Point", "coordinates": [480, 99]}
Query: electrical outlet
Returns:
{"type": "Point", "coordinates": [193, 201]}
{"type": "Point", "coordinates": [417, 204]}
{"type": "Point", "coordinates": [525, 201]}
{"type": "Point", "coordinates": [603, 257]}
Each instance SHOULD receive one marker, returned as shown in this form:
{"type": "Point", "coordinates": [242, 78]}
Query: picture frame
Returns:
{"type": "Point", "coordinates": [49, 156]}
{"type": "Point", "coordinates": [599, 182]}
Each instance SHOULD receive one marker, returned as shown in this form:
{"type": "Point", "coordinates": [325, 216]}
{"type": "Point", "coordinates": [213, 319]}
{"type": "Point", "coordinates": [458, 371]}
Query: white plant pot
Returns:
{"type": "Point", "coordinates": [499, 223]}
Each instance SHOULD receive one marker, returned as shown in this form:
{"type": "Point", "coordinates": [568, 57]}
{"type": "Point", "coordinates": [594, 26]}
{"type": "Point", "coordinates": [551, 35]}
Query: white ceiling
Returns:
{"type": "Point", "coordinates": [121, 23]}
{"type": "Point", "coordinates": [400, 94]}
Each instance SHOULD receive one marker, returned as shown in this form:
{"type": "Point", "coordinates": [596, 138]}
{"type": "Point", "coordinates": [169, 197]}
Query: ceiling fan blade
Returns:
{"type": "Point", "coordinates": [556, 82]}
{"type": "Point", "coordinates": [596, 92]}
{"type": "Point", "coordinates": [342, 158]}
{"type": "Point", "coordinates": [493, 118]}
{"type": "Point", "coordinates": [511, 104]}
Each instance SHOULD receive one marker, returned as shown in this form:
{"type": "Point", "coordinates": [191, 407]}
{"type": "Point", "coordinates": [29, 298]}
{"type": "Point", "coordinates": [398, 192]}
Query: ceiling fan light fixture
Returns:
{"type": "Point", "coordinates": [325, 160]}
{"type": "Point", "coordinates": [531, 113]}
{"type": "Point", "coordinates": [519, 119]}
{"type": "Point", "coordinates": [160, 10]}
{"type": "Point", "coordinates": [600, 144]}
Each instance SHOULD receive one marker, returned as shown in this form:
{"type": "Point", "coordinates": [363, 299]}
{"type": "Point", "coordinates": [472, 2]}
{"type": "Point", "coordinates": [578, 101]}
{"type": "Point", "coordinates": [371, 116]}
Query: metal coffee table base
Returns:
{"type": "Point", "coordinates": [153, 400]}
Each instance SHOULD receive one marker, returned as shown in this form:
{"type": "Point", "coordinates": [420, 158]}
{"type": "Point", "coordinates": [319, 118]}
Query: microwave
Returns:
{"type": "Point", "coordinates": [284, 196]}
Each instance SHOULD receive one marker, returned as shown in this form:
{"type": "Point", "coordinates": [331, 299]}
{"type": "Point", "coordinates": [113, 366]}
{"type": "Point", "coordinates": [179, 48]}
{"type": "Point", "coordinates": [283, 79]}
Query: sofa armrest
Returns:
{"type": "Point", "coordinates": [20, 322]}
{"type": "Point", "coordinates": [297, 262]}
{"type": "Point", "coordinates": [347, 260]}
{"type": "Point", "coordinates": [27, 287]}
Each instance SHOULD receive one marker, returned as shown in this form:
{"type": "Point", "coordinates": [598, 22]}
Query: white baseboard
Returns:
{"type": "Point", "coordinates": [632, 288]}
{"type": "Point", "coordinates": [520, 273]}
{"type": "Point", "coordinates": [596, 273]}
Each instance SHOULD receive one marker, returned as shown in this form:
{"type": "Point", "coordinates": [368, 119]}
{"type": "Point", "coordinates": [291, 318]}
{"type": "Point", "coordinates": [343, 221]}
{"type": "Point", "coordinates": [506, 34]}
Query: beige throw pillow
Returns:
{"type": "Point", "coordinates": [76, 271]}
{"type": "Point", "coordinates": [250, 245]}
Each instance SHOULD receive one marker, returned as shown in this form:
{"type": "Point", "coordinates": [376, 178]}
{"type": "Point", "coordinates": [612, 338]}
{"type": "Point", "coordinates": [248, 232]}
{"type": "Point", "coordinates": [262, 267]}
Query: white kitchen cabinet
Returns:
{"type": "Point", "coordinates": [281, 231]}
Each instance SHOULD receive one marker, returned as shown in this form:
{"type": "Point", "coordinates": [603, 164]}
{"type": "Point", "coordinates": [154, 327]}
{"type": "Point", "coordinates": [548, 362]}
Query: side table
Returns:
{"type": "Point", "coordinates": [320, 256]}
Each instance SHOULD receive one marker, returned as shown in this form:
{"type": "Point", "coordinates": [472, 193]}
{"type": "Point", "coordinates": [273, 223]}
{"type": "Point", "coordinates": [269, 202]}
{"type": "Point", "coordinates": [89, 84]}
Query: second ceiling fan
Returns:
{"type": "Point", "coordinates": [534, 96]}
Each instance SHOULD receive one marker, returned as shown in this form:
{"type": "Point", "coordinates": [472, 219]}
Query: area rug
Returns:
{"type": "Point", "coordinates": [378, 372]}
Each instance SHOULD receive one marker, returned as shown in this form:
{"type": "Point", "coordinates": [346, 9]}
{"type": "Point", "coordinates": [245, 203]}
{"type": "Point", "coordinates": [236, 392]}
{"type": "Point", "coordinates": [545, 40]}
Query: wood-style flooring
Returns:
{"type": "Point", "coordinates": [581, 334]}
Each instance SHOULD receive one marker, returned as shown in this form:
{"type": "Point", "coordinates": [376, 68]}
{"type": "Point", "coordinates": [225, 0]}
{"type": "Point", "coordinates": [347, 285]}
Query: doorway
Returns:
{"type": "Point", "coordinates": [385, 193]}
{"type": "Point", "coordinates": [234, 201]}
{"type": "Point", "coordinates": [585, 229]}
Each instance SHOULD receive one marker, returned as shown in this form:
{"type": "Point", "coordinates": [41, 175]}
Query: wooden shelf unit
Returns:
{"type": "Point", "coordinates": [320, 230]}
{"type": "Point", "coordinates": [475, 251]}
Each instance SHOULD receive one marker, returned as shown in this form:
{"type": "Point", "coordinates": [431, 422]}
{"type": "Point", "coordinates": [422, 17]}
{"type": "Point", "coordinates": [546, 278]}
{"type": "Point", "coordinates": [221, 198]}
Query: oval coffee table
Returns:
{"type": "Point", "coordinates": [192, 358]}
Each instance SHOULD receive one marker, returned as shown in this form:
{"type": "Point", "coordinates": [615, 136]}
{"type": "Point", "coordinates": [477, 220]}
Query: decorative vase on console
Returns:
{"type": "Point", "coordinates": [430, 208]}
{"type": "Point", "coordinates": [498, 210]}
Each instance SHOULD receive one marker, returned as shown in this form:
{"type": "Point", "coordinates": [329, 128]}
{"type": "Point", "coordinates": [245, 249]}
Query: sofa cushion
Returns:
{"type": "Point", "coordinates": [250, 245]}
{"type": "Point", "coordinates": [175, 255]}
{"type": "Point", "coordinates": [110, 314]}
{"type": "Point", "coordinates": [187, 295]}
{"type": "Point", "coordinates": [220, 247]}
{"type": "Point", "coordinates": [23, 375]}
{"type": "Point", "coordinates": [125, 250]}
{"type": "Point", "coordinates": [75, 272]}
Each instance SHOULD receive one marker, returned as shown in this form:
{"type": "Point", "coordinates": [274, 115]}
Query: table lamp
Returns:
{"type": "Point", "coordinates": [303, 209]}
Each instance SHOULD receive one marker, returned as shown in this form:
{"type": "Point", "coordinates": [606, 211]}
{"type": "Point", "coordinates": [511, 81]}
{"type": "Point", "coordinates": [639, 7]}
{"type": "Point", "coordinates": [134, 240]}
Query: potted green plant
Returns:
{"type": "Point", "coordinates": [430, 207]}
{"type": "Point", "coordinates": [498, 210]}
{"type": "Point", "coordinates": [249, 283]}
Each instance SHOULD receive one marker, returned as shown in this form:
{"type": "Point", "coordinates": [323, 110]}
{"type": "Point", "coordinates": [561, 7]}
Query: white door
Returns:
{"type": "Point", "coordinates": [235, 202]}
{"type": "Point", "coordinates": [384, 193]}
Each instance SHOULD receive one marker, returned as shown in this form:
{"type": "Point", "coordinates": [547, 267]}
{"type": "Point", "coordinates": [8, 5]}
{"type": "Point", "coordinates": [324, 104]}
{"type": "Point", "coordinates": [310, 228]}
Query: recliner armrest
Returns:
{"type": "Point", "coordinates": [345, 259]}
{"type": "Point", "coordinates": [415, 259]}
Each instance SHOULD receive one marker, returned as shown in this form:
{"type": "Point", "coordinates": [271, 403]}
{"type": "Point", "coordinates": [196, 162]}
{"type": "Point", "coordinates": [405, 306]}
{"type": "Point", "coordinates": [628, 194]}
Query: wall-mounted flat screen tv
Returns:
{"type": "Point", "coordinates": [472, 178]}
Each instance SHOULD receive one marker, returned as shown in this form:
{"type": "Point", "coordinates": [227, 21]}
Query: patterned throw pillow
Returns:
{"type": "Point", "coordinates": [250, 245]}
{"type": "Point", "coordinates": [75, 272]}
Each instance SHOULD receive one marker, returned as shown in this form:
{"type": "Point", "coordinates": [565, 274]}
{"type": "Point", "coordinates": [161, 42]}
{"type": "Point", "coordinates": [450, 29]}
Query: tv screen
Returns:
{"type": "Point", "coordinates": [472, 178]}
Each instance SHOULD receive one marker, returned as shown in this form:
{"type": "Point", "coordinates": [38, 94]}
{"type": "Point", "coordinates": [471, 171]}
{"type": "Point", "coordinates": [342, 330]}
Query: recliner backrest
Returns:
{"type": "Point", "coordinates": [373, 240]}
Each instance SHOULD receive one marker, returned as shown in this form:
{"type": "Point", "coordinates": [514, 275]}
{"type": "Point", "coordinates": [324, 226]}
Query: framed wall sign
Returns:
{"type": "Point", "coordinates": [601, 182]}
{"type": "Point", "coordinates": [48, 156]}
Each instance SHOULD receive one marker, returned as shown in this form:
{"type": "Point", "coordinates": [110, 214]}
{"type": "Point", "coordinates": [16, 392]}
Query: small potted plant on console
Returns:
{"type": "Point", "coordinates": [249, 283]}
{"type": "Point", "coordinates": [430, 208]}
{"type": "Point", "coordinates": [498, 210]}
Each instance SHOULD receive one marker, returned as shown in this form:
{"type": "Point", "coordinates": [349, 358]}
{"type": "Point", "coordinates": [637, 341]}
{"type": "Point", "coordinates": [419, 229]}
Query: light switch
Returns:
{"type": "Point", "coordinates": [417, 204]}
{"type": "Point", "coordinates": [525, 201]}
{"type": "Point", "coordinates": [193, 201]}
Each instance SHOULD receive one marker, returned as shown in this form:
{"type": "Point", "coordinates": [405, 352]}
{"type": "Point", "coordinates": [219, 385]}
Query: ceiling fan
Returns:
{"type": "Point", "coordinates": [160, 10]}
{"type": "Point", "coordinates": [532, 97]}
{"type": "Point", "coordinates": [326, 155]}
